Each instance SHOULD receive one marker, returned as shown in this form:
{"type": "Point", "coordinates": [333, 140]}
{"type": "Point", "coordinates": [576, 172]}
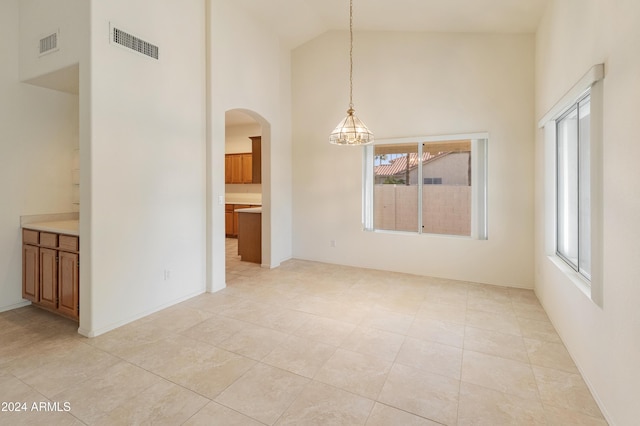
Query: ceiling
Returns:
{"type": "Point", "coordinates": [298, 21]}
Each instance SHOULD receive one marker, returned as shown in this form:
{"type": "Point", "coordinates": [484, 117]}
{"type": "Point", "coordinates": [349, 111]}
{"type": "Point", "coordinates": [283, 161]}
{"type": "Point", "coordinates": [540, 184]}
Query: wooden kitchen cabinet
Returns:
{"type": "Point", "coordinates": [48, 278]}
{"type": "Point", "coordinates": [256, 159]}
{"type": "Point", "coordinates": [227, 168]}
{"type": "Point", "coordinates": [50, 271]}
{"type": "Point", "coordinates": [30, 272]}
{"type": "Point", "coordinates": [244, 167]}
{"type": "Point", "coordinates": [68, 283]}
{"type": "Point", "coordinates": [250, 237]}
{"type": "Point", "coordinates": [247, 171]}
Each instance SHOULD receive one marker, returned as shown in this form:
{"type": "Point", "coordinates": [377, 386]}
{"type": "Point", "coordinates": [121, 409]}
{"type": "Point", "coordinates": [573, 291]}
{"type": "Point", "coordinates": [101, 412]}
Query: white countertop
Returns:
{"type": "Point", "coordinates": [250, 210]}
{"type": "Point", "coordinates": [68, 227]}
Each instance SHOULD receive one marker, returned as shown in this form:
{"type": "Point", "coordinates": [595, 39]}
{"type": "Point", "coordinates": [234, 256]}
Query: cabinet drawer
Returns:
{"type": "Point", "coordinates": [30, 237]}
{"type": "Point", "coordinates": [68, 242]}
{"type": "Point", "coordinates": [48, 240]}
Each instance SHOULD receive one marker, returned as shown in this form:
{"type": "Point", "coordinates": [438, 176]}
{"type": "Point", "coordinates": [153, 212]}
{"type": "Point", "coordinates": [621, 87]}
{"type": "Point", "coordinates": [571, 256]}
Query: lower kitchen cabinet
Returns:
{"type": "Point", "coordinates": [231, 218]}
{"type": "Point", "coordinates": [68, 283]}
{"type": "Point", "coordinates": [50, 271]}
{"type": "Point", "coordinates": [30, 272]}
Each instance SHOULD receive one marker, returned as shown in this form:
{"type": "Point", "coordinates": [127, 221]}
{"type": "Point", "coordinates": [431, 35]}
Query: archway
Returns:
{"type": "Point", "coordinates": [244, 129]}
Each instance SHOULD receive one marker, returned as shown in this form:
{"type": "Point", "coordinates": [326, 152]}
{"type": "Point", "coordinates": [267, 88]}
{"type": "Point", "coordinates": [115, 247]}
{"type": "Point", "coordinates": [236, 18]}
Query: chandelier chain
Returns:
{"type": "Point", "coordinates": [351, 54]}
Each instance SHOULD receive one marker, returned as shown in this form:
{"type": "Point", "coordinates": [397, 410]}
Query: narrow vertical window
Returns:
{"type": "Point", "coordinates": [573, 221]}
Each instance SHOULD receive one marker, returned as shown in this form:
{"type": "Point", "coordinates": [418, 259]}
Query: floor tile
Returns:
{"type": "Point", "coordinates": [483, 406]}
{"type": "Point", "coordinates": [384, 415]}
{"type": "Point", "coordinates": [425, 394]}
{"type": "Point", "coordinates": [496, 343]}
{"type": "Point", "coordinates": [565, 390]}
{"type": "Point", "coordinates": [562, 417]}
{"type": "Point", "coordinates": [300, 356]}
{"type": "Point", "coordinates": [550, 355]}
{"type": "Point", "coordinates": [378, 343]}
{"type": "Point", "coordinates": [263, 393]}
{"type": "Point", "coordinates": [107, 390]}
{"type": "Point", "coordinates": [325, 330]}
{"type": "Point", "coordinates": [434, 330]}
{"type": "Point", "coordinates": [501, 374]}
{"type": "Point", "coordinates": [161, 404]}
{"type": "Point", "coordinates": [540, 330]}
{"type": "Point", "coordinates": [321, 404]}
{"type": "Point", "coordinates": [431, 356]}
{"type": "Point", "coordinates": [253, 341]}
{"type": "Point", "coordinates": [354, 372]}
{"type": "Point", "coordinates": [216, 414]}
{"type": "Point", "coordinates": [501, 322]}
{"type": "Point", "coordinates": [387, 321]}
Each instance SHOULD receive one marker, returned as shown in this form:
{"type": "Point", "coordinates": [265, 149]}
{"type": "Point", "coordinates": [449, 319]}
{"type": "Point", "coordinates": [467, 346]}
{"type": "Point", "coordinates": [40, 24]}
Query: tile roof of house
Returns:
{"type": "Point", "coordinates": [399, 165]}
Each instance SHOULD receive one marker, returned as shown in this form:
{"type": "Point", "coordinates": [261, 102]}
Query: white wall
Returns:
{"type": "Point", "coordinates": [146, 212]}
{"type": "Point", "coordinates": [250, 70]}
{"type": "Point", "coordinates": [604, 342]}
{"type": "Point", "coordinates": [414, 84]}
{"type": "Point", "coordinates": [39, 18]}
{"type": "Point", "coordinates": [38, 130]}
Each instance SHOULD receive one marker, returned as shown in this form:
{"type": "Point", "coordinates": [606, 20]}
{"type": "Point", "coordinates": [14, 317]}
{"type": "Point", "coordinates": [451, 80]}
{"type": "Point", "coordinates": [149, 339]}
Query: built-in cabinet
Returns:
{"type": "Point", "coordinates": [244, 167]}
{"type": "Point", "coordinates": [231, 218]}
{"type": "Point", "coordinates": [51, 270]}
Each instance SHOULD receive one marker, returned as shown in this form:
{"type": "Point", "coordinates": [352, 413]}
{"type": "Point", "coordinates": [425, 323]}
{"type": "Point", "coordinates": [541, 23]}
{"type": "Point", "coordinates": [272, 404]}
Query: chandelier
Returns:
{"type": "Point", "coordinates": [351, 130]}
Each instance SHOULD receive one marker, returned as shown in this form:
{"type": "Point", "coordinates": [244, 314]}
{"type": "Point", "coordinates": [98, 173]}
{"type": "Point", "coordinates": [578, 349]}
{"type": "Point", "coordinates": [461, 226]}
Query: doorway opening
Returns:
{"type": "Point", "coordinates": [245, 135]}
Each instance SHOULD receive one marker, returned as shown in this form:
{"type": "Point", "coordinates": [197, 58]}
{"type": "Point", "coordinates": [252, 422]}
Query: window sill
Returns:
{"type": "Point", "coordinates": [578, 280]}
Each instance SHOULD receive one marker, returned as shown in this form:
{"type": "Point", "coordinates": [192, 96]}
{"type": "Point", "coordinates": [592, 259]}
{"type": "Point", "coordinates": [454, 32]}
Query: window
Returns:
{"type": "Point", "coordinates": [573, 186]}
{"type": "Point", "coordinates": [432, 181]}
{"type": "Point", "coordinates": [427, 186]}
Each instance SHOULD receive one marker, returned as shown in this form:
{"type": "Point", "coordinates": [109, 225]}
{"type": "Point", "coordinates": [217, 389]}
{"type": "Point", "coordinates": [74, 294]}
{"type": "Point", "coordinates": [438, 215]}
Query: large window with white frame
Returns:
{"type": "Point", "coordinates": [427, 185]}
{"type": "Point", "coordinates": [573, 186]}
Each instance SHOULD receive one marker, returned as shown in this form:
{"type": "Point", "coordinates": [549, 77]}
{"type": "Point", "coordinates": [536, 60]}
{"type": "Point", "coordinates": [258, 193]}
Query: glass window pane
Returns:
{"type": "Point", "coordinates": [446, 190]}
{"type": "Point", "coordinates": [395, 194]}
{"type": "Point", "coordinates": [584, 252]}
{"type": "Point", "coordinates": [567, 181]}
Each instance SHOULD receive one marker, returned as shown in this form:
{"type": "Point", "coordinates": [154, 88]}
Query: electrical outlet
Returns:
{"type": "Point", "coordinates": [167, 274]}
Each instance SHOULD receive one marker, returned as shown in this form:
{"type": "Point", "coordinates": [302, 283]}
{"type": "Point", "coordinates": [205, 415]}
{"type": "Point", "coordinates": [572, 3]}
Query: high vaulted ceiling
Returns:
{"type": "Point", "coordinates": [297, 21]}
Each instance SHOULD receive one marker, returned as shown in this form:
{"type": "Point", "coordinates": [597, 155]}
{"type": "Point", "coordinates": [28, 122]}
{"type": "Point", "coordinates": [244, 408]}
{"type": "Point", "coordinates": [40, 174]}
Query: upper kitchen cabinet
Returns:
{"type": "Point", "coordinates": [54, 40]}
{"type": "Point", "coordinates": [244, 167]}
{"type": "Point", "coordinates": [256, 159]}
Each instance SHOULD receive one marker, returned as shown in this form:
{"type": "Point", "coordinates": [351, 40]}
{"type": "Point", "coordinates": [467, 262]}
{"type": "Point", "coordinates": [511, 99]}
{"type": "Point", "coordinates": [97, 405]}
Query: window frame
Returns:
{"type": "Point", "coordinates": [581, 203]}
{"type": "Point", "coordinates": [592, 80]}
{"type": "Point", "coordinates": [479, 192]}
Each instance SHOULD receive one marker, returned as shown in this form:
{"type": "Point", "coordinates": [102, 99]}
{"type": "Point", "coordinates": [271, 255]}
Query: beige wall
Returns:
{"type": "Point", "coordinates": [604, 341]}
{"type": "Point", "coordinates": [408, 84]}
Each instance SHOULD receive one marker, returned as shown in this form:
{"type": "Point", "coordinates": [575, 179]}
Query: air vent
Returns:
{"type": "Point", "coordinates": [49, 43]}
{"type": "Point", "coordinates": [134, 43]}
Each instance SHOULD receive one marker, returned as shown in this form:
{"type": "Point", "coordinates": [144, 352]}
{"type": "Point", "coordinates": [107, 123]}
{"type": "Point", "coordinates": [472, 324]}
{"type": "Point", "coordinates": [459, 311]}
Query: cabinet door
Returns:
{"type": "Point", "coordinates": [48, 278]}
{"type": "Point", "coordinates": [227, 168]}
{"type": "Point", "coordinates": [236, 168]}
{"type": "Point", "coordinates": [68, 272]}
{"type": "Point", "coordinates": [30, 273]}
{"type": "Point", "coordinates": [256, 161]}
{"type": "Point", "coordinates": [228, 223]}
{"type": "Point", "coordinates": [247, 171]}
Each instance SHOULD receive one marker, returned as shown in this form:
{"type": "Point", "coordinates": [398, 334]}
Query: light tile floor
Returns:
{"type": "Point", "coordinates": [304, 344]}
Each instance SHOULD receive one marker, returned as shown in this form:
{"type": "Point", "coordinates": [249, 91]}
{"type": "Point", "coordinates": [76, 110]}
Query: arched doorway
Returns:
{"type": "Point", "coordinates": [245, 132]}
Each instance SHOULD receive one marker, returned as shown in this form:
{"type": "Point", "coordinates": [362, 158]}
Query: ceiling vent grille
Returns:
{"type": "Point", "coordinates": [49, 43]}
{"type": "Point", "coordinates": [134, 43]}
